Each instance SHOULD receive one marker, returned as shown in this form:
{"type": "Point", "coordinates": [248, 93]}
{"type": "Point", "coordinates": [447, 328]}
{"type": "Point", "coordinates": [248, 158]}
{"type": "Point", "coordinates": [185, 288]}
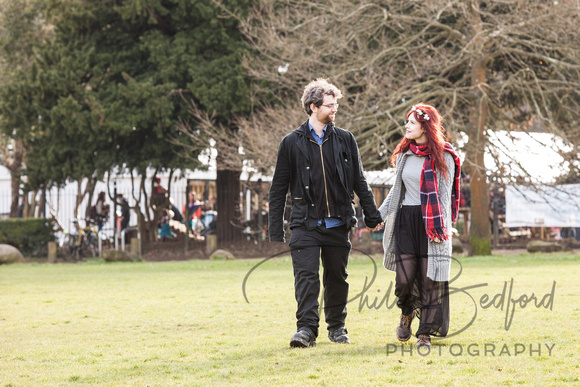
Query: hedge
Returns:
{"type": "Point", "coordinates": [30, 235]}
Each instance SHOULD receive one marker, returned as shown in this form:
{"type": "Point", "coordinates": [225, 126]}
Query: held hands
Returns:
{"type": "Point", "coordinates": [436, 240]}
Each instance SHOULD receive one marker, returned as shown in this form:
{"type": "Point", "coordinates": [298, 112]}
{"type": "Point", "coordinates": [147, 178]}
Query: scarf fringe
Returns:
{"type": "Point", "coordinates": [439, 233]}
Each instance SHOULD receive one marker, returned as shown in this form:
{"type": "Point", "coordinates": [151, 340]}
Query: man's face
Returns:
{"type": "Point", "coordinates": [327, 111]}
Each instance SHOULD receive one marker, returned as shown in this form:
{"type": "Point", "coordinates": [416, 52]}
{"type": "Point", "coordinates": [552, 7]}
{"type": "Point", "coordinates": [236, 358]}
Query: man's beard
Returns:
{"type": "Point", "coordinates": [327, 119]}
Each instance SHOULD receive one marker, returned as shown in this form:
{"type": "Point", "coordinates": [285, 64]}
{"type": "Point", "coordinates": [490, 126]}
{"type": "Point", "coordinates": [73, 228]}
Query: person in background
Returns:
{"type": "Point", "coordinates": [123, 215]}
{"type": "Point", "coordinates": [164, 229]}
{"type": "Point", "coordinates": [101, 210]}
{"type": "Point", "coordinates": [157, 188]}
{"type": "Point", "coordinates": [209, 218]}
{"type": "Point", "coordinates": [193, 209]}
{"type": "Point", "coordinates": [176, 214]}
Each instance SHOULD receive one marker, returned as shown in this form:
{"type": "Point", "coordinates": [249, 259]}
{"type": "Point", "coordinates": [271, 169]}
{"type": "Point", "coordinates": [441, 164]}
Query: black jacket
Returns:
{"type": "Point", "coordinates": [293, 171]}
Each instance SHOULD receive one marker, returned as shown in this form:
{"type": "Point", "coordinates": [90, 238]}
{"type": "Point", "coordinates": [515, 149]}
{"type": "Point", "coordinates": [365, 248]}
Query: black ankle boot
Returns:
{"type": "Point", "coordinates": [302, 339]}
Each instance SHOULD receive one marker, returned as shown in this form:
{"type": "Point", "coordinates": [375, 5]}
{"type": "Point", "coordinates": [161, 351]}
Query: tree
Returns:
{"type": "Point", "coordinates": [486, 65]}
{"type": "Point", "coordinates": [106, 92]}
{"type": "Point", "coordinates": [206, 51]}
{"type": "Point", "coordinates": [22, 30]}
{"type": "Point", "coordinates": [100, 84]}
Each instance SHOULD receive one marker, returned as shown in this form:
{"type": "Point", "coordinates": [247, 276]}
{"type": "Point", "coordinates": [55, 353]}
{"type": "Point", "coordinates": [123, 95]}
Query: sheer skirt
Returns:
{"type": "Point", "coordinates": [427, 299]}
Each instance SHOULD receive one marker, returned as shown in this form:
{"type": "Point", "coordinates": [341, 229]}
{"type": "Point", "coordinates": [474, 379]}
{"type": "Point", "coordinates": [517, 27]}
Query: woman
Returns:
{"type": "Point", "coordinates": [101, 210]}
{"type": "Point", "coordinates": [418, 212]}
{"type": "Point", "coordinates": [192, 212]}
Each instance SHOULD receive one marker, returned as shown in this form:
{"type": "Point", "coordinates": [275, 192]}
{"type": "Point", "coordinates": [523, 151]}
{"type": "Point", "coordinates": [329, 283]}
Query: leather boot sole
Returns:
{"type": "Point", "coordinates": [299, 343]}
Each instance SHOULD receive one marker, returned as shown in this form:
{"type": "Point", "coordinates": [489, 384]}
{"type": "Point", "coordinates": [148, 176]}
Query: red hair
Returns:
{"type": "Point", "coordinates": [435, 135]}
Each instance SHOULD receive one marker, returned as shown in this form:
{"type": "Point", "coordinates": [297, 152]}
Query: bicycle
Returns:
{"type": "Point", "coordinates": [82, 242]}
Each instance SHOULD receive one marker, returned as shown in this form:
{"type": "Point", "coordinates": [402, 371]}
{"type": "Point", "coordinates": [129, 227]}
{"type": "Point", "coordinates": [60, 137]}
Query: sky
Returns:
{"type": "Point", "coordinates": [537, 153]}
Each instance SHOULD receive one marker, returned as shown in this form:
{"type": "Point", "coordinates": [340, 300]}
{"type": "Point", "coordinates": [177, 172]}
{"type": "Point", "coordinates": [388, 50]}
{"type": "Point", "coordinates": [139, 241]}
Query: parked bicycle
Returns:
{"type": "Point", "coordinates": [81, 241]}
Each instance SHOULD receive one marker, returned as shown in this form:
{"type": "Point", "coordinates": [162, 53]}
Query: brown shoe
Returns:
{"type": "Point", "coordinates": [404, 328]}
{"type": "Point", "coordinates": [424, 341]}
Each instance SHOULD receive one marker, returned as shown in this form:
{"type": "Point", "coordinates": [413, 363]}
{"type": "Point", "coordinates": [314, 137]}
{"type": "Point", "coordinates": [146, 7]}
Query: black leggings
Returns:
{"type": "Point", "coordinates": [417, 293]}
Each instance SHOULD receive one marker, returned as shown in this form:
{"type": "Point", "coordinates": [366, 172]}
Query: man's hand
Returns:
{"type": "Point", "coordinates": [378, 227]}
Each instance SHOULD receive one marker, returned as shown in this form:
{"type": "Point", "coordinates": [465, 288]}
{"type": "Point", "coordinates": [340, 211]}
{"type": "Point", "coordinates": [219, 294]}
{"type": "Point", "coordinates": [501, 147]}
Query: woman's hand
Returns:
{"type": "Point", "coordinates": [378, 227]}
{"type": "Point", "coordinates": [436, 240]}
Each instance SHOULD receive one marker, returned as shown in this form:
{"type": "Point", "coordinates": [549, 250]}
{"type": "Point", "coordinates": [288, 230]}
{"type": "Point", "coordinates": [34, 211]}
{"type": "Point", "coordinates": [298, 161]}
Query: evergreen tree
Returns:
{"type": "Point", "coordinates": [22, 30]}
{"type": "Point", "coordinates": [108, 91]}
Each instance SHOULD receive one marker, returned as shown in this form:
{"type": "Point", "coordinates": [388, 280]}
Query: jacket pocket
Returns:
{"type": "Point", "coordinates": [348, 170]}
{"type": "Point", "coordinates": [299, 212]}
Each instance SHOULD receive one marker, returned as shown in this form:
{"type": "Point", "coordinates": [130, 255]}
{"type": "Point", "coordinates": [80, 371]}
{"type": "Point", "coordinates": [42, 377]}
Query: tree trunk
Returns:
{"type": "Point", "coordinates": [15, 189]}
{"type": "Point", "coordinates": [146, 229]}
{"type": "Point", "coordinates": [30, 206]}
{"type": "Point", "coordinates": [227, 206]}
{"type": "Point", "coordinates": [479, 232]}
{"type": "Point", "coordinates": [89, 189]}
{"type": "Point", "coordinates": [142, 224]}
{"type": "Point", "coordinates": [14, 167]}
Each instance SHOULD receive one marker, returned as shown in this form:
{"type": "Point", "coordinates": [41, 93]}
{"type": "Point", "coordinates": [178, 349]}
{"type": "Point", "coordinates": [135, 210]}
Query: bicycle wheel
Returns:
{"type": "Point", "coordinates": [93, 245]}
{"type": "Point", "coordinates": [69, 247]}
{"type": "Point", "coordinates": [89, 245]}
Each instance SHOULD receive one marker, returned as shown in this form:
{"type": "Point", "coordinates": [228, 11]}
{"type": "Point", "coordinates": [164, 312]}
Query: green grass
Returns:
{"type": "Point", "coordinates": [187, 323]}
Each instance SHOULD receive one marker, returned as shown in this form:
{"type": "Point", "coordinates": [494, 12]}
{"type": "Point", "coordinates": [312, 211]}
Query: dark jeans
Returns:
{"type": "Point", "coordinates": [307, 248]}
{"type": "Point", "coordinates": [417, 293]}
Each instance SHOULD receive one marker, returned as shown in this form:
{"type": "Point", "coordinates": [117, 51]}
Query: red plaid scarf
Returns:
{"type": "Point", "coordinates": [430, 206]}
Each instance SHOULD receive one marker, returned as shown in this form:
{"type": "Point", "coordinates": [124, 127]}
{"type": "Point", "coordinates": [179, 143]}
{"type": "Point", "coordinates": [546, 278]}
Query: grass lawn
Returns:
{"type": "Point", "coordinates": [188, 323]}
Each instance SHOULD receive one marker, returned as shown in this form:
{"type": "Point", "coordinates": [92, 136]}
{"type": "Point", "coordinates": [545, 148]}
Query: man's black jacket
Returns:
{"type": "Point", "coordinates": [293, 170]}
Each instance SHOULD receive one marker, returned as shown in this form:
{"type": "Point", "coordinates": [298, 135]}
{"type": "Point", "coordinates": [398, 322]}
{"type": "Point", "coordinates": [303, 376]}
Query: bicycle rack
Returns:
{"type": "Point", "coordinates": [123, 237]}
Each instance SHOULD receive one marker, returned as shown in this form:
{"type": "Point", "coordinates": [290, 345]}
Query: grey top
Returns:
{"type": "Point", "coordinates": [439, 254]}
{"type": "Point", "coordinates": [412, 180]}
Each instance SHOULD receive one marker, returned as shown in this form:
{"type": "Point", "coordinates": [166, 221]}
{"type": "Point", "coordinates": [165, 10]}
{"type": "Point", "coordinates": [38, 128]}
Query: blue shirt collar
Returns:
{"type": "Point", "coordinates": [320, 139]}
{"type": "Point", "coordinates": [312, 129]}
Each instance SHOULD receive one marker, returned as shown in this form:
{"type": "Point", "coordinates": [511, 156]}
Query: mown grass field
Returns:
{"type": "Point", "coordinates": [188, 323]}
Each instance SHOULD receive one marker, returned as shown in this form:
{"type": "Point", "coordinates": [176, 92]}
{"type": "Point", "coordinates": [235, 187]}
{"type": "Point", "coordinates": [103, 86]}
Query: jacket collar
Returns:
{"type": "Point", "coordinates": [304, 129]}
{"type": "Point", "coordinates": [304, 134]}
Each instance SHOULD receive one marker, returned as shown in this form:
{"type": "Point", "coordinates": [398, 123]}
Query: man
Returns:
{"type": "Point", "coordinates": [124, 215]}
{"type": "Point", "coordinates": [321, 165]}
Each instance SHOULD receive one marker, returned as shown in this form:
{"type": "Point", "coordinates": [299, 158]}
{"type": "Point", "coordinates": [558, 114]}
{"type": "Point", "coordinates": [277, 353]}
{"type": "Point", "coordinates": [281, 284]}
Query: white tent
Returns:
{"type": "Point", "coordinates": [519, 153]}
{"type": "Point", "coordinates": [545, 206]}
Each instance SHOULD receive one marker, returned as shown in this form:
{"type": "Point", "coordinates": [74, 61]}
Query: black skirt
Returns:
{"type": "Point", "coordinates": [418, 294]}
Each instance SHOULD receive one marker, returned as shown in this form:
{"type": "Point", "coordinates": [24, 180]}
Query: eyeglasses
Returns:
{"type": "Point", "coordinates": [332, 105]}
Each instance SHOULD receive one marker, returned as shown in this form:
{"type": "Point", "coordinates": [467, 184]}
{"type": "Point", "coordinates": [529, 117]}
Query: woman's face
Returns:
{"type": "Point", "coordinates": [415, 131]}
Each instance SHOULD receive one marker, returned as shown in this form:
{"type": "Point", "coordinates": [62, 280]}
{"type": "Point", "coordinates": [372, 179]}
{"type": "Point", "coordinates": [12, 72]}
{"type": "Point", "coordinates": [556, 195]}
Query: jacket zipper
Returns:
{"type": "Point", "coordinates": [324, 176]}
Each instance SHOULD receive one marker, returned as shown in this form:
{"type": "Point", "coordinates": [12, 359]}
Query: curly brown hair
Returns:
{"type": "Point", "coordinates": [315, 91]}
